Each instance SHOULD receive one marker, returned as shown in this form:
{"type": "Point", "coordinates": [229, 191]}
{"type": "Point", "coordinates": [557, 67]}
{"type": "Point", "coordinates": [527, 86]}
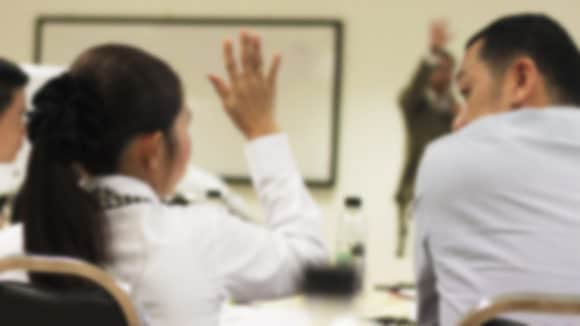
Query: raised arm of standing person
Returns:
{"type": "Point", "coordinates": [416, 89]}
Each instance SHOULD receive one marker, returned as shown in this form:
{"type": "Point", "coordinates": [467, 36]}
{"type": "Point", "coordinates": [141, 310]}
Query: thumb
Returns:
{"type": "Point", "coordinates": [220, 87]}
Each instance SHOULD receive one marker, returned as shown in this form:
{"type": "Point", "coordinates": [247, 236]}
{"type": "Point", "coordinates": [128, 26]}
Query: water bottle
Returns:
{"type": "Point", "coordinates": [351, 236]}
{"type": "Point", "coordinates": [333, 288]}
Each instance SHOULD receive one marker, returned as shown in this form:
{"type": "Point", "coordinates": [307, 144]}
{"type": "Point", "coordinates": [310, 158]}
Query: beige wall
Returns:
{"type": "Point", "coordinates": [383, 41]}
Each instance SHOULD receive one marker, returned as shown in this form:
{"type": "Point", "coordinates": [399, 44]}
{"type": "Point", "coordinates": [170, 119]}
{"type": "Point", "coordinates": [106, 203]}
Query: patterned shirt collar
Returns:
{"type": "Point", "coordinates": [119, 190]}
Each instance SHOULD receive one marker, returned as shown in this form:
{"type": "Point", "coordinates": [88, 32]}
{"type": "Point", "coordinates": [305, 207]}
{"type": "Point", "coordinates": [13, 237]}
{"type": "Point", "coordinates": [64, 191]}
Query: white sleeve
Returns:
{"type": "Point", "coordinates": [257, 262]}
{"type": "Point", "coordinates": [442, 179]}
{"type": "Point", "coordinates": [426, 280]}
{"type": "Point", "coordinates": [7, 179]}
{"type": "Point", "coordinates": [12, 243]}
{"type": "Point", "coordinates": [428, 297]}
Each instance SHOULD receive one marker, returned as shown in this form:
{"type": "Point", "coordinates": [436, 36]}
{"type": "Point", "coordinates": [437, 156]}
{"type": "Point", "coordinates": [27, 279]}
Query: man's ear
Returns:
{"type": "Point", "coordinates": [149, 148]}
{"type": "Point", "coordinates": [460, 119]}
{"type": "Point", "coordinates": [523, 81]}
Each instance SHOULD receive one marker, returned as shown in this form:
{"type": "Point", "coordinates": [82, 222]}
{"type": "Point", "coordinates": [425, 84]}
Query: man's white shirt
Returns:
{"type": "Point", "coordinates": [498, 212]}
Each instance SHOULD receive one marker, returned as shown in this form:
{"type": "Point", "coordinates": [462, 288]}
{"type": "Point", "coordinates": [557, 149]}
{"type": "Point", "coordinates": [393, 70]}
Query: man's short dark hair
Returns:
{"type": "Point", "coordinates": [542, 39]}
{"type": "Point", "coordinates": [11, 79]}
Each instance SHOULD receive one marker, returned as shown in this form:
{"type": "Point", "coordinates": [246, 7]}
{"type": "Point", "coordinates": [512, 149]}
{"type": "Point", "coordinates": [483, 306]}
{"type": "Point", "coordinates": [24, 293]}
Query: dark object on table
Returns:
{"type": "Point", "coordinates": [331, 281]}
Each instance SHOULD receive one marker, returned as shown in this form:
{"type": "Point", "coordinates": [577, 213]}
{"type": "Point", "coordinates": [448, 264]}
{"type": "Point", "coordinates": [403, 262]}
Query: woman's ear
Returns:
{"type": "Point", "coordinates": [145, 158]}
{"type": "Point", "coordinates": [524, 76]}
{"type": "Point", "coordinates": [150, 151]}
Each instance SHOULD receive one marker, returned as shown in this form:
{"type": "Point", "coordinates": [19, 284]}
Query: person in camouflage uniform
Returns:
{"type": "Point", "coordinates": [428, 107]}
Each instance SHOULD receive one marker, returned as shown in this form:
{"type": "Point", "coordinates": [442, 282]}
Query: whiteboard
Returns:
{"type": "Point", "coordinates": [308, 87]}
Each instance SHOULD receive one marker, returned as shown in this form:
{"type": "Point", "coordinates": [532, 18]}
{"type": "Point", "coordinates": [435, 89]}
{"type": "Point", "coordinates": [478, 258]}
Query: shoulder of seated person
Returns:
{"type": "Point", "coordinates": [175, 223]}
{"type": "Point", "coordinates": [481, 129]}
{"type": "Point", "coordinates": [170, 215]}
{"type": "Point", "coordinates": [464, 152]}
{"type": "Point", "coordinates": [12, 229]}
{"type": "Point", "coordinates": [195, 211]}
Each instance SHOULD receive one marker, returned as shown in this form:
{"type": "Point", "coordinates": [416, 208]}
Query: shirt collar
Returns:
{"type": "Point", "coordinates": [553, 122]}
{"type": "Point", "coordinates": [8, 179]}
{"type": "Point", "coordinates": [124, 185]}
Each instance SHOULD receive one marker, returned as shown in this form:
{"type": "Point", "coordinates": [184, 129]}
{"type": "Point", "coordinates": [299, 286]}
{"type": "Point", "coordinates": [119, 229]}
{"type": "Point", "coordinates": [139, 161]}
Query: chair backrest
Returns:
{"type": "Point", "coordinates": [522, 303]}
{"type": "Point", "coordinates": [27, 304]}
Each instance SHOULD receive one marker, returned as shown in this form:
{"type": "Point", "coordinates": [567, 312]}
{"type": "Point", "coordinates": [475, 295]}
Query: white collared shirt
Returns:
{"type": "Point", "coordinates": [9, 180]}
{"type": "Point", "coordinates": [181, 263]}
{"type": "Point", "coordinates": [498, 212]}
{"type": "Point", "coordinates": [197, 183]}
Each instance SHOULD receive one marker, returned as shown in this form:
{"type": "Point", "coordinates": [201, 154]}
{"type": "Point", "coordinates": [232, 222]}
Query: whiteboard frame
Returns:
{"type": "Point", "coordinates": [336, 25]}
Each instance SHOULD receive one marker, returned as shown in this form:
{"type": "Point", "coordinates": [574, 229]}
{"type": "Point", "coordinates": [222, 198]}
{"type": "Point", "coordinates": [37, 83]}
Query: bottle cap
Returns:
{"type": "Point", "coordinates": [353, 202]}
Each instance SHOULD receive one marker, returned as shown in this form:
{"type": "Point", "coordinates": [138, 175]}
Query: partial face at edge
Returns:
{"type": "Point", "coordinates": [481, 88]}
{"type": "Point", "coordinates": [12, 127]}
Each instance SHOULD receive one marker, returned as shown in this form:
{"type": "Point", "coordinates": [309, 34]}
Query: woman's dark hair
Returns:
{"type": "Point", "coordinates": [82, 121]}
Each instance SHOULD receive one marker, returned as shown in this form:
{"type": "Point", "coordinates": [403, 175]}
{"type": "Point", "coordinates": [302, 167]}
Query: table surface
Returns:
{"type": "Point", "coordinates": [299, 310]}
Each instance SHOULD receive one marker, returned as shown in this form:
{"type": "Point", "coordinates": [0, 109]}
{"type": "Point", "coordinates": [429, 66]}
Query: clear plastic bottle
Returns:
{"type": "Point", "coordinates": [334, 288]}
{"type": "Point", "coordinates": [351, 237]}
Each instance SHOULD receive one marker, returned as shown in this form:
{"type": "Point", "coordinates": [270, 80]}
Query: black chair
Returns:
{"type": "Point", "coordinates": [24, 304]}
{"type": "Point", "coordinates": [487, 313]}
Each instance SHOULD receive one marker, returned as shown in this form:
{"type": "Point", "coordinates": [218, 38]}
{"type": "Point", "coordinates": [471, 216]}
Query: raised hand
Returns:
{"type": "Point", "coordinates": [249, 97]}
{"type": "Point", "coordinates": [439, 35]}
